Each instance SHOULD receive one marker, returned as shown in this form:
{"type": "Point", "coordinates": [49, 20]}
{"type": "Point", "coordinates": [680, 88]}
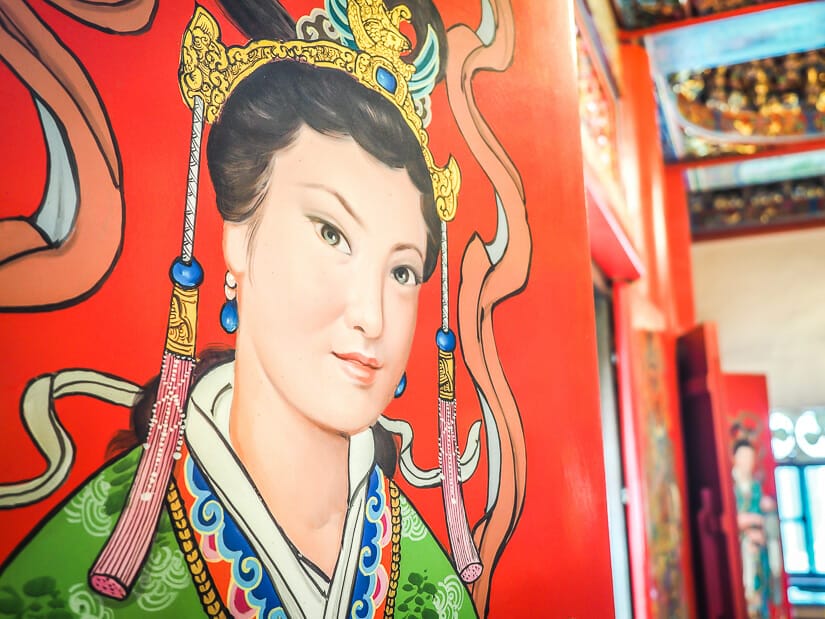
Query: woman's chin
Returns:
{"type": "Point", "coordinates": [348, 414]}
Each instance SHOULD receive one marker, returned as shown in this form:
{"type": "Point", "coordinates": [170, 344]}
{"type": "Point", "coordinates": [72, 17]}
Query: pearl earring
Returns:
{"type": "Point", "coordinates": [229, 311]}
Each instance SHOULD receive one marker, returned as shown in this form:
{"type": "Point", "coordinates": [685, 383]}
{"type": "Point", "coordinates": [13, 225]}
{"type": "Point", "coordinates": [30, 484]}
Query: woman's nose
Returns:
{"type": "Point", "coordinates": [365, 306]}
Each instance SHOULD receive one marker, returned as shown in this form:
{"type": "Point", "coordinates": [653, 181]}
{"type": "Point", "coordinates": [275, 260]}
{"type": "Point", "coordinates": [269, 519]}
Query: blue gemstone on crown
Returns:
{"type": "Point", "coordinates": [186, 275]}
{"type": "Point", "coordinates": [386, 80]}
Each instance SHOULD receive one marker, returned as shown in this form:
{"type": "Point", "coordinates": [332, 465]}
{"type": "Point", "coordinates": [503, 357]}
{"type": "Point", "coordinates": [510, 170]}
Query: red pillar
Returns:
{"type": "Point", "coordinates": [653, 309]}
{"type": "Point", "coordinates": [681, 309]}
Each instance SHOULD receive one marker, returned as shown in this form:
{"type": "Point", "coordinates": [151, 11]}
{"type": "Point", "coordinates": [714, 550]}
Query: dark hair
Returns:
{"type": "Point", "coordinates": [266, 110]}
{"type": "Point", "coordinates": [742, 442]}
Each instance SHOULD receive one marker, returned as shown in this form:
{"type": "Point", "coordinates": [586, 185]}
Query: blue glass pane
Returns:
{"type": "Point", "coordinates": [803, 597]}
{"type": "Point", "coordinates": [815, 485]}
{"type": "Point", "coordinates": [793, 547]}
{"type": "Point", "coordinates": [787, 492]}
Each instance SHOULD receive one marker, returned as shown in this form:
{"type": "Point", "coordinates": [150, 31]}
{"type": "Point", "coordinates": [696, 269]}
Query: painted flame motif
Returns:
{"type": "Point", "coordinates": [80, 241]}
{"type": "Point", "coordinates": [489, 274]}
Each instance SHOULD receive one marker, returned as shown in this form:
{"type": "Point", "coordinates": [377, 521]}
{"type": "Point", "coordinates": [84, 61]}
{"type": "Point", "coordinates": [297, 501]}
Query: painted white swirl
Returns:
{"type": "Point", "coordinates": [86, 605]}
{"type": "Point", "coordinates": [58, 210]}
{"type": "Point", "coordinates": [162, 578]}
{"type": "Point", "coordinates": [88, 509]}
{"type": "Point", "coordinates": [423, 107]}
{"type": "Point", "coordinates": [317, 26]}
{"type": "Point", "coordinates": [449, 597]}
{"type": "Point", "coordinates": [412, 527]}
{"type": "Point", "coordinates": [49, 435]}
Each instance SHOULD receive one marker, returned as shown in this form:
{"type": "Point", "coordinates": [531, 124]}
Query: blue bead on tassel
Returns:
{"type": "Point", "coordinates": [187, 274]}
{"type": "Point", "coordinates": [445, 340]}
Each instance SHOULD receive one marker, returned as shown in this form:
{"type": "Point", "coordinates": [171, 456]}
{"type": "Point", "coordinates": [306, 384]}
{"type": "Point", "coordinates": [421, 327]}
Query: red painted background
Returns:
{"type": "Point", "coordinates": [557, 563]}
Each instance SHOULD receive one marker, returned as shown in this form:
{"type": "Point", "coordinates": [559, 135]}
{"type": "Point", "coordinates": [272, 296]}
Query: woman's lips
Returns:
{"type": "Point", "coordinates": [360, 368]}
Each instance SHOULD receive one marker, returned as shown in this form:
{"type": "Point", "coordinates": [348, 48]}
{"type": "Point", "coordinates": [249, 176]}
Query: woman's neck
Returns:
{"type": "Point", "coordinates": [299, 468]}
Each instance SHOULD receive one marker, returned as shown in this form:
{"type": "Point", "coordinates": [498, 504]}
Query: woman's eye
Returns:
{"type": "Point", "coordinates": [332, 236]}
{"type": "Point", "coordinates": [405, 276]}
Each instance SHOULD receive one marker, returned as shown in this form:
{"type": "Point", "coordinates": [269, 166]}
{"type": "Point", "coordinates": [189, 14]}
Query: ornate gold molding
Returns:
{"type": "Point", "coordinates": [211, 71]}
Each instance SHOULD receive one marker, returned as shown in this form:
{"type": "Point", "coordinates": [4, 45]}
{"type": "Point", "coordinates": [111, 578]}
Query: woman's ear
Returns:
{"type": "Point", "coordinates": [235, 245]}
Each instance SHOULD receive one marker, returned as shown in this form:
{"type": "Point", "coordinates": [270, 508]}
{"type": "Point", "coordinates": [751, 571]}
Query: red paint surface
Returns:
{"type": "Point", "coordinates": [681, 310]}
{"type": "Point", "coordinates": [611, 248]}
{"type": "Point", "coordinates": [557, 563]}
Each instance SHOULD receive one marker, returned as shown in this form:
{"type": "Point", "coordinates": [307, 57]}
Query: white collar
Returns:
{"type": "Point", "coordinates": [207, 435]}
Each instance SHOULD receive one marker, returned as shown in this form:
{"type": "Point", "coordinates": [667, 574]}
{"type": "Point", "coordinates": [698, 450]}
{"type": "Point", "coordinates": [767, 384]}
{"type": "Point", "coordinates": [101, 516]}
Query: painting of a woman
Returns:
{"type": "Point", "coordinates": [281, 500]}
{"type": "Point", "coordinates": [751, 509]}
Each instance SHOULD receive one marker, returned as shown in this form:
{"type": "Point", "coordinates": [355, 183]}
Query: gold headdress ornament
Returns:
{"type": "Point", "coordinates": [211, 71]}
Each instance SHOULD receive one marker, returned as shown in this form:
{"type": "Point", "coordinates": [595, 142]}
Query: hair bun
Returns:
{"type": "Point", "coordinates": [259, 19]}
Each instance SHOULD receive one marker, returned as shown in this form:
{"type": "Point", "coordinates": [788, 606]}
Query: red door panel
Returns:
{"type": "Point", "coordinates": [715, 534]}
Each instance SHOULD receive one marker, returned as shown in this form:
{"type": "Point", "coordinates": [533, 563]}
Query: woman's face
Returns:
{"type": "Point", "coordinates": [328, 280]}
{"type": "Point", "coordinates": [744, 460]}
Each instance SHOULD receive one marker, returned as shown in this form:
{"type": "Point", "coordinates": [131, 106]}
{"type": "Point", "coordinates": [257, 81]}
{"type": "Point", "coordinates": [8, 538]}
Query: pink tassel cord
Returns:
{"type": "Point", "coordinates": [116, 568]}
{"type": "Point", "coordinates": [463, 549]}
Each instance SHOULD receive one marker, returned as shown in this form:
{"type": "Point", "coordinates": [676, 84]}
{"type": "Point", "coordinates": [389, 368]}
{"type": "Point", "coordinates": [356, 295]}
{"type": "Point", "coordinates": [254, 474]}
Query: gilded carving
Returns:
{"type": "Point", "coordinates": [211, 71]}
{"type": "Point", "coordinates": [446, 375]}
{"type": "Point", "coordinates": [180, 334]}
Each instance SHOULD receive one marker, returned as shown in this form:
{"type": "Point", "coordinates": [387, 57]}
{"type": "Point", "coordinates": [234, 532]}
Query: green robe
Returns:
{"type": "Point", "coordinates": [47, 576]}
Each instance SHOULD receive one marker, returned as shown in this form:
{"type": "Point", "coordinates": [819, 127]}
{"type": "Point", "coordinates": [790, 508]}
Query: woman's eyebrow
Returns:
{"type": "Point", "coordinates": [343, 201]}
{"type": "Point", "coordinates": [412, 246]}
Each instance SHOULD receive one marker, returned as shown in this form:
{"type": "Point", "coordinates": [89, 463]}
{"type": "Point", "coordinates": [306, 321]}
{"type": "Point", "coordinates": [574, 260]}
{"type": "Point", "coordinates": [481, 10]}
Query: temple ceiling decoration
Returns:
{"type": "Point", "coordinates": [740, 92]}
{"type": "Point", "coordinates": [757, 194]}
{"type": "Point", "coordinates": [721, 94]}
{"type": "Point", "coordinates": [637, 14]}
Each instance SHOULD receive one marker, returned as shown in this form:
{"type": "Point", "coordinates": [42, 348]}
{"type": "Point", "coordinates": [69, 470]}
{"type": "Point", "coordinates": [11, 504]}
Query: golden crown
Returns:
{"type": "Point", "coordinates": [211, 71]}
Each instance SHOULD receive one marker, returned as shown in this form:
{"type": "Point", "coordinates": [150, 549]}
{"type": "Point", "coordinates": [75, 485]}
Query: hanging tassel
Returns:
{"type": "Point", "coordinates": [465, 554]}
{"type": "Point", "coordinates": [118, 564]}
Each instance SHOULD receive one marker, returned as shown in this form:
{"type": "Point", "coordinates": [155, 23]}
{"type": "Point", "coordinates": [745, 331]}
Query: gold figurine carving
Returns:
{"type": "Point", "coordinates": [180, 334]}
{"type": "Point", "coordinates": [211, 71]}
{"type": "Point", "coordinates": [376, 30]}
